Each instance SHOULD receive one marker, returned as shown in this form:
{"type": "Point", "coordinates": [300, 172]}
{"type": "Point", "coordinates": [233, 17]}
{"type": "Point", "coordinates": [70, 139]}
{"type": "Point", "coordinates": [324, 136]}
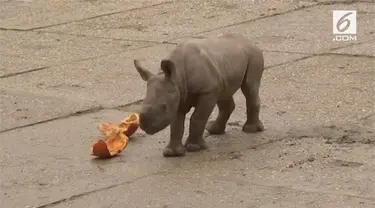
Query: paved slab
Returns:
{"type": "Point", "coordinates": [75, 172]}
{"type": "Point", "coordinates": [52, 161]}
{"type": "Point", "coordinates": [237, 162]}
{"type": "Point", "coordinates": [18, 107]}
{"type": "Point", "coordinates": [330, 81]}
{"type": "Point", "coordinates": [110, 81]}
{"type": "Point", "coordinates": [31, 14]}
{"type": "Point", "coordinates": [365, 49]}
{"type": "Point", "coordinates": [251, 178]}
{"type": "Point", "coordinates": [182, 18]}
{"type": "Point", "coordinates": [24, 51]}
{"type": "Point", "coordinates": [307, 30]}
{"type": "Point", "coordinates": [292, 95]}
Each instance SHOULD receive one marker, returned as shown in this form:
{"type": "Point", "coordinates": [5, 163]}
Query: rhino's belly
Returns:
{"type": "Point", "coordinates": [231, 85]}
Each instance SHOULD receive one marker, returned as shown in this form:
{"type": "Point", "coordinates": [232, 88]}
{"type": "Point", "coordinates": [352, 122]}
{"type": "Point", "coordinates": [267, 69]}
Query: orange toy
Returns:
{"type": "Point", "coordinates": [130, 124]}
{"type": "Point", "coordinates": [116, 136]}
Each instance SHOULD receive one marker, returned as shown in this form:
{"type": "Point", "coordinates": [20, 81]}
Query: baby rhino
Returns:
{"type": "Point", "coordinates": [201, 73]}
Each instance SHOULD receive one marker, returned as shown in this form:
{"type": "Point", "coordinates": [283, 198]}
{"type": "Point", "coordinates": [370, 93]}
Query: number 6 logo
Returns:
{"type": "Point", "coordinates": [343, 20]}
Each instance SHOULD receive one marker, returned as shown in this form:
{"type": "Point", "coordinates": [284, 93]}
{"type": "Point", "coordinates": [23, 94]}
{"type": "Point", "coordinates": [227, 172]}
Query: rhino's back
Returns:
{"type": "Point", "coordinates": [228, 44]}
{"type": "Point", "coordinates": [218, 63]}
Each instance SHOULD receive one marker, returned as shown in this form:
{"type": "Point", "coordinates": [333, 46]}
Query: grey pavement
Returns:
{"type": "Point", "coordinates": [67, 66]}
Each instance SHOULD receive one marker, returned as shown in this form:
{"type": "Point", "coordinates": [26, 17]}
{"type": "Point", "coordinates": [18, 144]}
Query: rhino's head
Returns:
{"type": "Point", "coordinates": [162, 97]}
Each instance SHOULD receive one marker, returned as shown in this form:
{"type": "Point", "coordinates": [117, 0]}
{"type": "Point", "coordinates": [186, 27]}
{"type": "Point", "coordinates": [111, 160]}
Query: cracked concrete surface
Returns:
{"type": "Point", "coordinates": [66, 66]}
{"type": "Point", "coordinates": [25, 15]}
{"type": "Point", "coordinates": [49, 49]}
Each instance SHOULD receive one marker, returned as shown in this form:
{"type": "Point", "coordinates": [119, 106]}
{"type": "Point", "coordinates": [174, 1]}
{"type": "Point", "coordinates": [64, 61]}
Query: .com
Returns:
{"type": "Point", "coordinates": [345, 38]}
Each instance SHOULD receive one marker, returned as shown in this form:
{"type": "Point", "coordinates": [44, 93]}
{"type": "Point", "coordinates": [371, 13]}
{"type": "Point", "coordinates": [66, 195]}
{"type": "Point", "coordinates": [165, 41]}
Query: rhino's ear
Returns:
{"type": "Point", "coordinates": [168, 67]}
{"type": "Point", "coordinates": [145, 74]}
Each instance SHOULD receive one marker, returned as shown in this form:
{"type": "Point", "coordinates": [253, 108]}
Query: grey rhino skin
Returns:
{"type": "Point", "coordinates": [201, 73]}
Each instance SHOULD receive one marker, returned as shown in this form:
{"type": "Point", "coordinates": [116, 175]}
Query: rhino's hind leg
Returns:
{"type": "Point", "coordinates": [226, 107]}
{"type": "Point", "coordinates": [198, 121]}
{"type": "Point", "coordinates": [251, 93]}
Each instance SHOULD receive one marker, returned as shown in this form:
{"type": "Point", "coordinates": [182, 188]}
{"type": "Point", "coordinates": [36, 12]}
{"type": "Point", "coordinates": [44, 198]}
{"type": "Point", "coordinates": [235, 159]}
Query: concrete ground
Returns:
{"type": "Point", "coordinates": [66, 66]}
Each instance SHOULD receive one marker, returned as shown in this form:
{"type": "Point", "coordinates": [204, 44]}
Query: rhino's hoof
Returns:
{"type": "Point", "coordinates": [196, 146]}
{"type": "Point", "coordinates": [253, 127]}
{"type": "Point", "coordinates": [174, 152]}
{"type": "Point", "coordinates": [213, 128]}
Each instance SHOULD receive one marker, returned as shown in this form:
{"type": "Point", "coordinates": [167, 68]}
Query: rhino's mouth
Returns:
{"type": "Point", "coordinates": [153, 129]}
{"type": "Point", "coordinates": [150, 131]}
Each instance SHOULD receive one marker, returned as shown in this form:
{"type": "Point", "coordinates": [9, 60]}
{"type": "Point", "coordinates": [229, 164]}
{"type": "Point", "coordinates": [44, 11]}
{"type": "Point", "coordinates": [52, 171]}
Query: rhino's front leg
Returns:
{"type": "Point", "coordinates": [203, 108]}
{"type": "Point", "coordinates": [175, 148]}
